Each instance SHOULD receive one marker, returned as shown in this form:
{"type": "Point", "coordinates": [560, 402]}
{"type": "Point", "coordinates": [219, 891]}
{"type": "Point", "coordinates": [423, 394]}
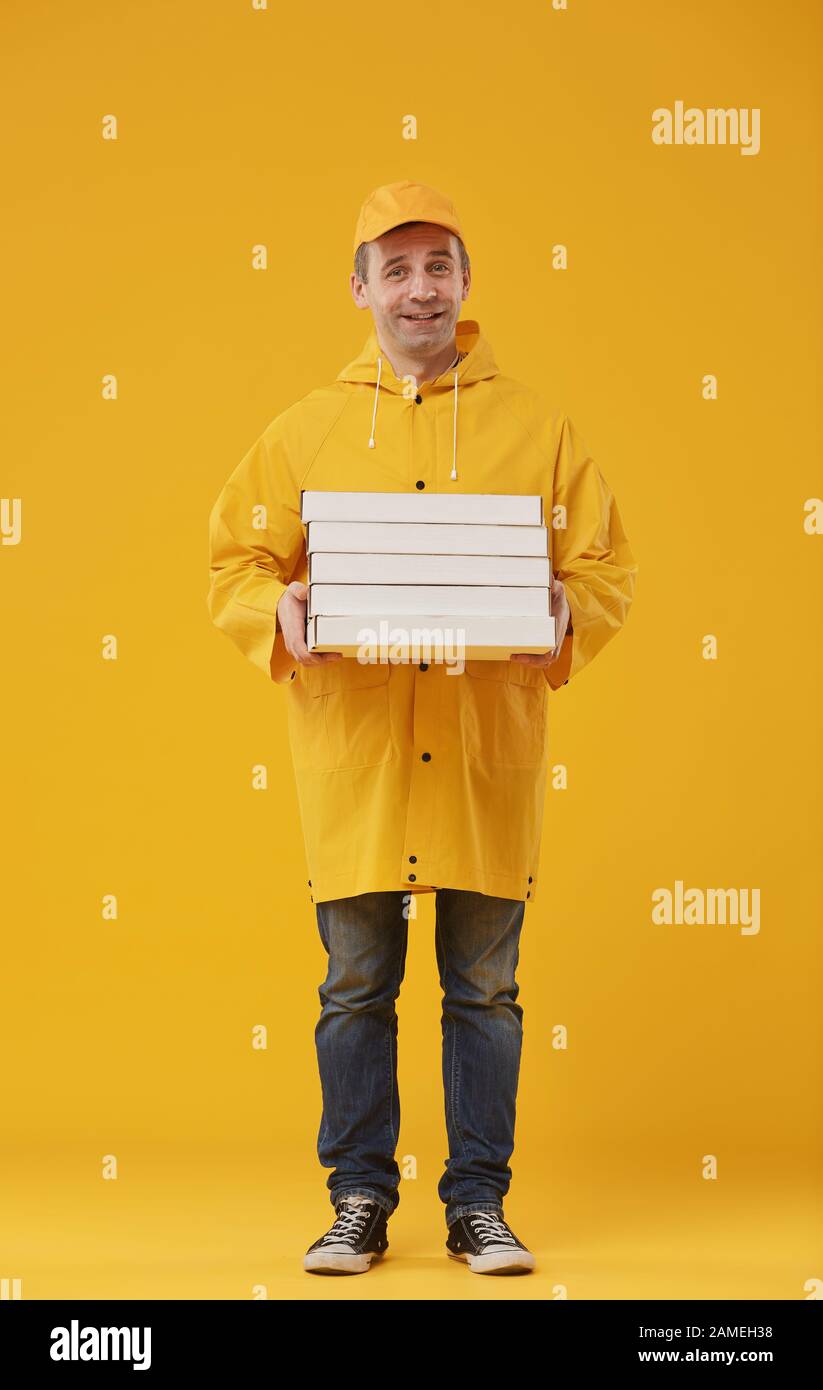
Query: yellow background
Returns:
{"type": "Point", "coordinates": [133, 777]}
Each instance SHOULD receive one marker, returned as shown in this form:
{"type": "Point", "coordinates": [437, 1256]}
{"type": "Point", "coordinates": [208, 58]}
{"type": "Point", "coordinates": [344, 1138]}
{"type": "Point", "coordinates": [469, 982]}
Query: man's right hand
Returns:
{"type": "Point", "coordinates": [291, 615]}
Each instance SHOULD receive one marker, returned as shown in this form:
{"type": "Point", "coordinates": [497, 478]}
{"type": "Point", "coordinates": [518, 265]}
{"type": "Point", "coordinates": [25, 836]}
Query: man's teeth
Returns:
{"type": "Point", "coordinates": [422, 316]}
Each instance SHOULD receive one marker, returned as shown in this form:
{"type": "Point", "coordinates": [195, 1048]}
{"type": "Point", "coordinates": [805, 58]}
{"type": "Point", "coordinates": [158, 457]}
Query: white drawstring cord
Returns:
{"type": "Point", "coordinates": [374, 412]}
{"type": "Point", "coordinates": [453, 473]}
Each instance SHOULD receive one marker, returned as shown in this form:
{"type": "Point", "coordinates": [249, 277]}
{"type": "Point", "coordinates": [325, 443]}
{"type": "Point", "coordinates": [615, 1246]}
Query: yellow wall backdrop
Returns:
{"type": "Point", "coordinates": [673, 1148]}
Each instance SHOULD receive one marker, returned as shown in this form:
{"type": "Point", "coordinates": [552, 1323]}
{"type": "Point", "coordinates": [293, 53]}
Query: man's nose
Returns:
{"type": "Point", "coordinates": [420, 288]}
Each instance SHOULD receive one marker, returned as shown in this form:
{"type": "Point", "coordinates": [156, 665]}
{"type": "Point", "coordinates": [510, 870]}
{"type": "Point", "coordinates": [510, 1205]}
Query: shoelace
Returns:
{"type": "Point", "coordinates": [346, 1224]}
{"type": "Point", "coordinates": [491, 1227]}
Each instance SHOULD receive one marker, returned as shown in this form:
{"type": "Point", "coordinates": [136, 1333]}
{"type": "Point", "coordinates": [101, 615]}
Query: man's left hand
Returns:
{"type": "Point", "coordinates": [562, 617]}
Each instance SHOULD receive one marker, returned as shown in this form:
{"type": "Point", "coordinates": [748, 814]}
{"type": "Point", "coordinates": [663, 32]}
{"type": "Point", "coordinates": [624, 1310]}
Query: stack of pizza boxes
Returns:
{"type": "Point", "coordinates": [471, 570]}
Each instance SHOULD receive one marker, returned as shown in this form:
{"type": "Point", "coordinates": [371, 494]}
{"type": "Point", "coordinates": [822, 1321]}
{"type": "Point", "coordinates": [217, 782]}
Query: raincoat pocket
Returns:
{"type": "Point", "coordinates": [504, 713]}
{"type": "Point", "coordinates": [339, 716]}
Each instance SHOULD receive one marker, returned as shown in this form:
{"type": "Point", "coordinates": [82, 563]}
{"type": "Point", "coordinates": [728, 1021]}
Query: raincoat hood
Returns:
{"type": "Point", "coordinates": [372, 365]}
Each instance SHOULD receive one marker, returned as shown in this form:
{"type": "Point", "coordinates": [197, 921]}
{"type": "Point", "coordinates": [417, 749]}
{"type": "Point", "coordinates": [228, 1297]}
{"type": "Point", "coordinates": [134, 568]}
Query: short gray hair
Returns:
{"type": "Point", "coordinates": [361, 255]}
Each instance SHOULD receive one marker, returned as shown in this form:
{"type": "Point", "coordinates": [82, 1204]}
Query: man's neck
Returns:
{"type": "Point", "coordinates": [422, 368]}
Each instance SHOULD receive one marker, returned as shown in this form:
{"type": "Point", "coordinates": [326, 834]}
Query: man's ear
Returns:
{"type": "Point", "coordinates": [357, 292]}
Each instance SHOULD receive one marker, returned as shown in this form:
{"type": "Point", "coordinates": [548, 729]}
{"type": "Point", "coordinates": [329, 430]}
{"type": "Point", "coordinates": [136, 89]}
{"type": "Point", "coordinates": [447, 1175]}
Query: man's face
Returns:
{"type": "Point", "coordinates": [414, 271]}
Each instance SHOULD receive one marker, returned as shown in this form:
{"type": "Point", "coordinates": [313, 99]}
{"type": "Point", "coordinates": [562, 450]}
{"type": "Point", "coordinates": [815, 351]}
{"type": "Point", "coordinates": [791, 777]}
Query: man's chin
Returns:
{"type": "Point", "coordinates": [436, 335]}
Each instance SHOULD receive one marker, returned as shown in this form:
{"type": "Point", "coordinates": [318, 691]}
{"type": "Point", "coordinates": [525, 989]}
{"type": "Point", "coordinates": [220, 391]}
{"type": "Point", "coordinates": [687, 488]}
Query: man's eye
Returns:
{"type": "Point", "coordinates": [438, 265]}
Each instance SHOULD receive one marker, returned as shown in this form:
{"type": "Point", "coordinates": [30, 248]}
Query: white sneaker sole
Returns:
{"type": "Point", "coordinates": [506, 1262]}
{"type": "Point", "coordinates": [338, 1262]}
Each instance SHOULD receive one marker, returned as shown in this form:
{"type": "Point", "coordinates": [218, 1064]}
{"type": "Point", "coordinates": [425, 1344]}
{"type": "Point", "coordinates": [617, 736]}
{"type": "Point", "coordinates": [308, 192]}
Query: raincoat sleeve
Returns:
{"type": "Point", "coordinates": [590, 554]}
{"type": "Point", "coordinates": [256, 541]}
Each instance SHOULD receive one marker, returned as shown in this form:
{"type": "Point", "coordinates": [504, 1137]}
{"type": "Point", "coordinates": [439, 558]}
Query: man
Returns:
{"type": "Point", "coordinates": [411, 778]}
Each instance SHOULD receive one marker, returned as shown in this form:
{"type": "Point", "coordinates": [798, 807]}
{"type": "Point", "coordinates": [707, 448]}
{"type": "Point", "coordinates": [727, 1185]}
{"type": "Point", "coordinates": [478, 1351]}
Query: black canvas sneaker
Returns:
{"type": "Point", "coordinates": [356, 1237]}
{"type": "Point", "coordinates": [483, 1241]}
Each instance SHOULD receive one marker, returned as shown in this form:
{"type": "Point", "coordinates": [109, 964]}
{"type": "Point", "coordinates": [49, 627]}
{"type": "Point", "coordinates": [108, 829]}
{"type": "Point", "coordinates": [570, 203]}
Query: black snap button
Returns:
{"type": "Point", "coordinates": [291, 677]}
{"type": "Point", "coordinates": [426, 757]}
{"type": "Point", "coordinates": [412, 878]}
{"type": "Point", "coordinates": [418, 484]}
{"type": "Point", "coordinates": [424, 666]}
{"type": "Point", "coordinates": [528, 895]}
{"type": "Point", "coordinates": [310, 883]}
{"type": "Point", "coordinates": [530, 878]}
{"type": "Point", "coordinates": [418, 400]}
{"type": "Point", "coordinates": [412, 858]}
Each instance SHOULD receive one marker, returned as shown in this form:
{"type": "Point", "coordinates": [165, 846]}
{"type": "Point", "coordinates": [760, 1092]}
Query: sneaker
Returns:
{"type": "Point", "coordinates": [483, 1241]}
{"type": "Point", "coordinates": [356, 1237]}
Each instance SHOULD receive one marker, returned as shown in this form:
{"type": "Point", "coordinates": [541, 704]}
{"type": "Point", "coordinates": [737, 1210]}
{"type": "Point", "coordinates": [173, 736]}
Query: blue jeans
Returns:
{"type": "Point", "coordinates": [477, 945]}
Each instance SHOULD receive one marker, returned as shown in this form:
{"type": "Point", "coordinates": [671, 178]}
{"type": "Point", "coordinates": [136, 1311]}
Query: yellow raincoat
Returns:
{"type": "Point", "coordinates": [409, 777]}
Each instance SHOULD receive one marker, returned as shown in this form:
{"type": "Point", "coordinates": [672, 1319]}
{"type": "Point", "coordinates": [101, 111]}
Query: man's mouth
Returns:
{"type": "Point", "coordinates": [424, 318]}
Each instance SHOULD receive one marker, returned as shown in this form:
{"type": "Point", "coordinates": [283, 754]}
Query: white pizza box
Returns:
{"type": "Point", "coordinates": [480, 600]}
{"type": "Point", "coordinates": [426, 538]}
{"type": "Point", "coordinates": [474, 638]}
{"type": "Point", "coordinates": [340, 567]}
{"type": "Point", "coordinates": [509, 509]}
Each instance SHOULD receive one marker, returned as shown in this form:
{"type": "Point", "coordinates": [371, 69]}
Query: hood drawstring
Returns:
{"type": "Point", "coordinates": [376, 392]}
{"type": "Point", "coordinates": [453, 474]}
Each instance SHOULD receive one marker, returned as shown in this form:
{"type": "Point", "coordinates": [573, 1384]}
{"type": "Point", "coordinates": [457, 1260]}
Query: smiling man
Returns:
{"type": "Point", "coordinates": [414, 280]}
{"type": "Point", "coordinates": [410, 781]}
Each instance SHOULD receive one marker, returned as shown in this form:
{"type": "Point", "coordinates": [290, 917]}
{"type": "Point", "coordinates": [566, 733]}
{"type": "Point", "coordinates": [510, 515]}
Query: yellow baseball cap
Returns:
{"type": "Point", "coordinates": [395, 203]}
